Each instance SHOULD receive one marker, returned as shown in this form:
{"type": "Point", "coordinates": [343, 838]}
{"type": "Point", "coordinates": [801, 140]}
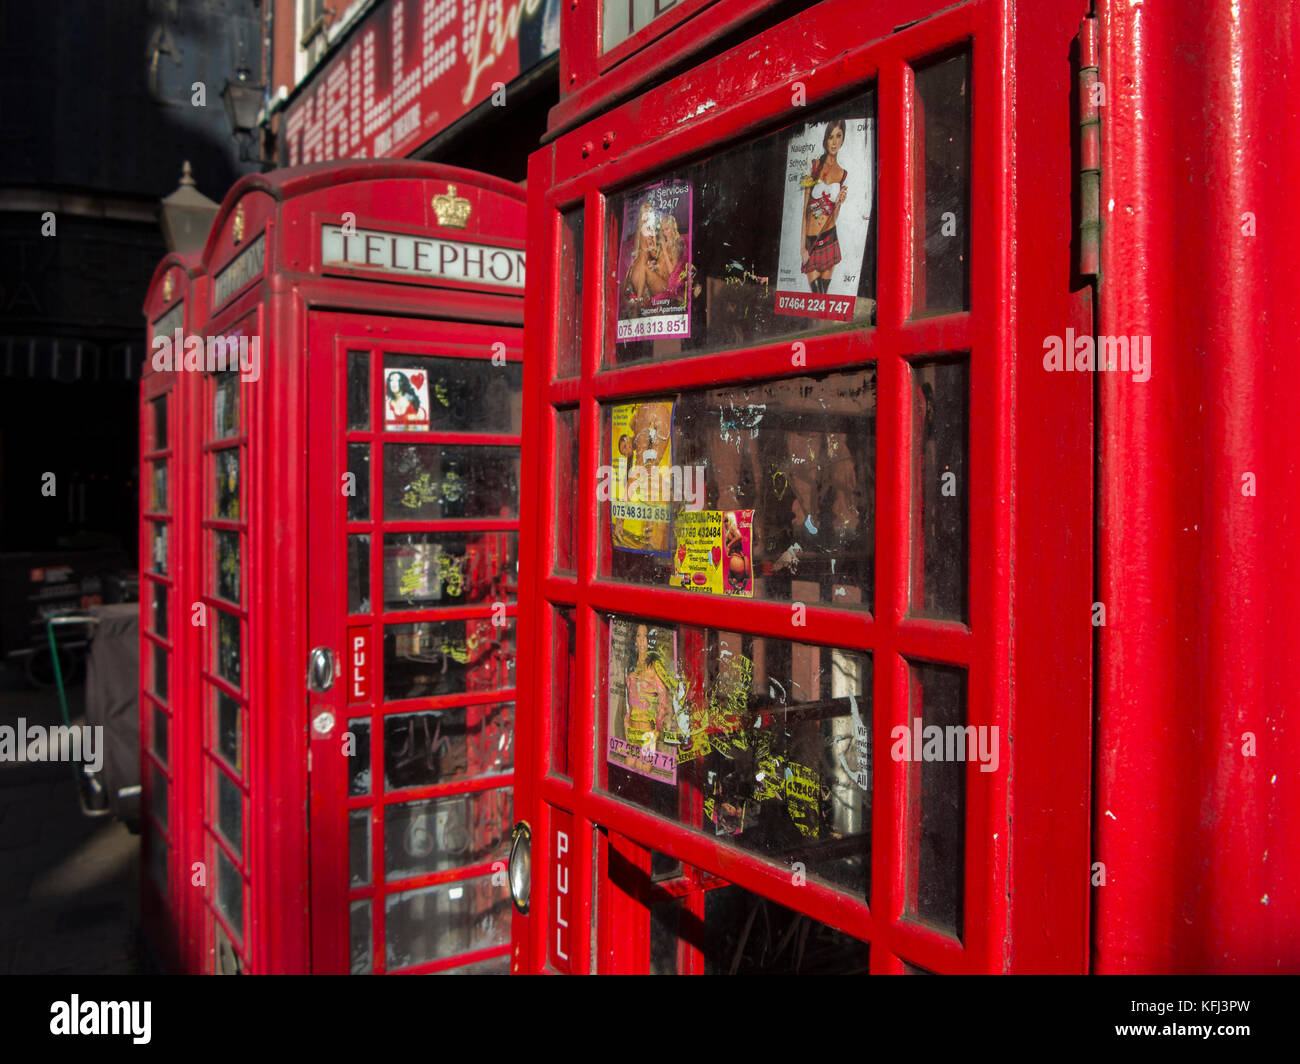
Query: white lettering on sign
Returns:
{"type": "Point", "coordinates": [561, 891]}
{"type": "Point", "coordinates": [418, 256]}
{"type": "Point", "coordinates": [622, 18]}
{"type": "Point", "coordinates": [359, 658]}
{"type": "Point", "coordinates": [243, 268]}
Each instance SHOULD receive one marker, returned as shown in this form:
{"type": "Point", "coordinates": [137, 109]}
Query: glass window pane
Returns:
{"type": "Point", "coordinates": [160, 732]}
{"type": "Point", "coordinates": [230, 892]}
{"type": "Point", "coordinates": [159, 486]}
{"type": "Point", "coordinates": [359, 847]}
{"type": "Point", "coordinates": [225, 960]}
{"type": "Point", "coordinates": [433, 922]}
{"type": "Point", "coordinates": [444, 833]}
{"type": "Point", "coordinates": [229, 742]}
{"type": "Point", "coordinates": [230, 810]}
{"type": "Point", "coordinates": [159, 856]}
{"type": "Point", "coordinates": [563, 672]}
{"type": "Point", "coordinates": [447, 745]}
{"type": "Point", "coordinates": [936, 816]}
{"type": "Point", "coordinates": [764, 490]}
{"type": "Point", "coordinates": [357, 486]}
{"type": "Point", "coordinates": [362, 963]}
{"type": "Point", "coordinates": [158, 799]}
{"type": "Point", "coordinates": [423, 569]}
{"type": "Point", "coordinates": [225, 406]}
{"type": "Point", "coordinates": [492, 966]}
{"type": "Point", "coordinates": [452, 394]}
{"type": "Point", "coordinates": [359, 758]}
{"type": "Point", "coordinates": [358, 390]}
{"type": "Point", "coordinates": [228, 649]}
{"type": "Point", "coordinates": [941, 261]}
{"type": "Point", "coordinates": [227, 566]}
{"type": "Point", "coordinates": [745, 934]}
{"type": "Point", "coordinates": [159, 609]}
{"type": "Point", "coordinates": [226, 503]}
{"type": "Point", "coordinates": [435, 481]}
{"type": "Point", "coordinates": [566, 490]}
{"type": "Point", "coordinates": [160, 673]}
{"type": "Point", "coordinates": [769, 240]}
{"type": "Point", "coordinates": [160, 536]}
{"type": "Point", "coordinates": [358, 574]}
{"type": "Point", "coordinates": [763, 743]}
{"type": "Point", "coordinates": [451, 657]}
{"type": "Point", "coordinates": [940, 499]}
{"type": "Point", "coordinates": [160, 437]}
{"type": "Point", "coordinates": [569, 354]}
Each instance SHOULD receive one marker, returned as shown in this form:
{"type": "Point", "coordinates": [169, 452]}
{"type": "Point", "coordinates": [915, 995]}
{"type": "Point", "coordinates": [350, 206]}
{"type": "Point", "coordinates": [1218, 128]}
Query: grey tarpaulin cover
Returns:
{"type": "Point", "coordinates": [112, 684]}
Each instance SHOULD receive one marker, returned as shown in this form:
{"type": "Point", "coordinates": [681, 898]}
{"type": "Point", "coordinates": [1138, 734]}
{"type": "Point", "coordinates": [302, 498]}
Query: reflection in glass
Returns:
{"type": "Point", "coordinates": [158, 859]}
{"type": "Point", "coordinates": [230, 892]}
{"type": "Point", "coordinates": [566, 490]}
{"type": "Point", "coordinates": [443, 833]}
{"type": "Point", "coordinates": [447, 745]}
{"type": "Point", "coordinates": [226, 961]}
{"type": "Point", "coordinates": [359, 574]}
{"type": "Point", "coordinates": [785, 472]}
{"type": "Point", "coordinates": [359, 918]}
{"type": "Point", "coordinates": [227, 562]}
{"type": "Point", "coordinates": [228, 741]}
{"type": "Point", "coordinates": [433, 481]}
{"type": "Point", "coordinates": [230, 811]}
{"type": "Point", "coordinates": [441, 921]}
{"type": "Point", "coordinates": [940, 498]}
{"type": "Point", "coordinates": [160, 486]}
{"type": "Point", "coordinates": [359, 847]}
{"type": "Point", "coordinates": [492, 966]}
{"type": "Point", "coordinates": [451, 657]}
{"type": "Point", "coordinates": [452, 394]}
{"type": "Point", "coordinates": [449, 568]}
{"type": "Point", "coordinates": [228, 651]}
{"type": "Point", "coordinates": [357, 488]}
{"type": "Point", "coordinates": [937, 802]}
{"type": "Point", "coordinates": [226, 464]}
{"type": "Point", "coordinates": [664, 917]}
{"type": "Point", "coordinates": [764, 743]}
{"type": "Point", "coordinates": [569, 346]}
{"type": "Point", "coordinates": [941, 261]}
{"type": "Point", "coordinates": [359, 758]}
{"type": "Point", "coordinates": [159, 796]}
{"type": "Point", "coordinates": [160, 547]}
{"type": "Point", "coordinates": [160, 609]}
{"type": "Point", "coordinates": [358, 390]}
{"type": "Point", "coordinates": [745, 934]}
{"type": "Point", "coordinates": [225, 406]}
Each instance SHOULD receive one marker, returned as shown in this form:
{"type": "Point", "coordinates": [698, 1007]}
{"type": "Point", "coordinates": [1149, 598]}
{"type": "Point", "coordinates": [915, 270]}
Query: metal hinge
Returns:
{"type": "Point", "coordinates": [1092, 96]}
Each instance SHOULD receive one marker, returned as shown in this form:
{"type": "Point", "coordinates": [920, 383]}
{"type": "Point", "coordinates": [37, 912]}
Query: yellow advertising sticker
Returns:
{"type": "Point", "coordinates": [714, 551]}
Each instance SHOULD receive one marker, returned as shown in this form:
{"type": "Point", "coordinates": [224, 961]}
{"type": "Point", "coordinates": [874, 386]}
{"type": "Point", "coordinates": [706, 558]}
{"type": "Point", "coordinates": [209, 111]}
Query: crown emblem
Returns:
{"type": "Point", "coordinates": [452, 210]}
{"type": "Point", "coordinates": [237, 226]}
{"type": "Point", "coordinates": [167, 287]}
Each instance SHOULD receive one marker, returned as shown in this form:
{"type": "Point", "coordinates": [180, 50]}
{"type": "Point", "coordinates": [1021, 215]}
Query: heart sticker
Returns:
{"type": "Point", "coordinates": [417, 380]}
{"type": "Point", "coordinates": [716, 555]}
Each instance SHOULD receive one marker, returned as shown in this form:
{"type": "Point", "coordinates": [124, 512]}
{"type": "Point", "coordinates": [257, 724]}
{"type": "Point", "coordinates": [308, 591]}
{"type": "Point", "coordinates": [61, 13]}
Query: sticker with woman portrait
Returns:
{"type": "Point", "coordinates": [654, 263]}
{"type": "Point", "coordinates": [829, 179]}
{"type": "Point", "coordinates": [641, 461]}
{"type": "Point", "coordinates": [643, 688]}
{"type": "Point", "coordinates": [406, 400]}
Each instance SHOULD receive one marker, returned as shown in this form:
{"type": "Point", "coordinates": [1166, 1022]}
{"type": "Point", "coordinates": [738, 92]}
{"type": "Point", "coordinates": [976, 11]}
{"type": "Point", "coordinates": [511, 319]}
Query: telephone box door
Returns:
{"type": "Point", "coordinates": [413, 539]}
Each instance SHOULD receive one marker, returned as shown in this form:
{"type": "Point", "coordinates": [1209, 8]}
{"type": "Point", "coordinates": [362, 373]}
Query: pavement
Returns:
{"type": "Point", "coordinates": [69, 884]}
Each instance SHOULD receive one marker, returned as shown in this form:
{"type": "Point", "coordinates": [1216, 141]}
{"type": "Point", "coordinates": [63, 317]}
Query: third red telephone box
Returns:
{"type": "Point", "coordinates": [810, 693]}
{"type": "Point", "coordinates": [343, 573]}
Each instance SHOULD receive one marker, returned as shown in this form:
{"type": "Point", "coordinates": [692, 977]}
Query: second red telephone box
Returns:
{"type": "Point", "coordinates": [342, 684]}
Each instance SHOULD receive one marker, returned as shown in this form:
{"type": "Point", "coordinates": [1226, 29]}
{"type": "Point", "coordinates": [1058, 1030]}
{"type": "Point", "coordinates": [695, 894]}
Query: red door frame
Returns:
{"type": "Point", "coordinates": [332, 336]}
{"type": "Point", "coordinates": [1028, 644]}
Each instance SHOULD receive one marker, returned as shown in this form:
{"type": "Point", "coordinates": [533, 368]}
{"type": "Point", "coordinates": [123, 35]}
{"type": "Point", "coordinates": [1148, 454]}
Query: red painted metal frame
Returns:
{"type": "Point", "coordinates": [1027, 647]}
{"type": "Point", "coordinates": [1197, 836]}
{"type": "Point", "coordinates": [166, 919]}
{"type": "Point", "coordinates": [286, 208]}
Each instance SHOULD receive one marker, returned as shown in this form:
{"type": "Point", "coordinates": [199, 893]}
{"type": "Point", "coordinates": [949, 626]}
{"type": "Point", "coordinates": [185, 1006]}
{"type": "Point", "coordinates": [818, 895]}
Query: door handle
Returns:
{"type": "Point", "coordinates": [320, 670]}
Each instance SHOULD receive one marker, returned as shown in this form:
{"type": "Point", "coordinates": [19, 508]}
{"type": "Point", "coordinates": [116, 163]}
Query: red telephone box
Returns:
{"type": "Point", "coordinates": [772, 557]}
{"type": "Point", "coordinates": [347, 412]}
